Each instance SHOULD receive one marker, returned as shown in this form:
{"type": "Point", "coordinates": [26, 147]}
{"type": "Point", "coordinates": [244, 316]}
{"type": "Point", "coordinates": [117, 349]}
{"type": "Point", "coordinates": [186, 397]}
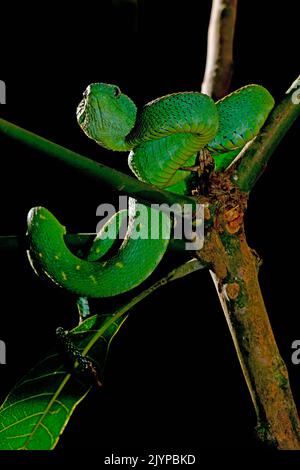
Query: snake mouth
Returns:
{"type": "Point", "coordinates": [83, 107]}
{"type": "Point", "coordinates": [81, 111]}
{"type": "Point", "coordinates": [90, 115]}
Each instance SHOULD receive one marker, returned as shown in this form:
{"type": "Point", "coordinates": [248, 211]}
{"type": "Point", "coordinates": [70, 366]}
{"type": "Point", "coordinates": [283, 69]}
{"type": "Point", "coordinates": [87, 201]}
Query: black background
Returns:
{"type": "Point", "coordinates": [172, 378]}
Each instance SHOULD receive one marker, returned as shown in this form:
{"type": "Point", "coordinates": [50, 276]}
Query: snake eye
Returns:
{"type": "Point", "coordinates": [117, 91]}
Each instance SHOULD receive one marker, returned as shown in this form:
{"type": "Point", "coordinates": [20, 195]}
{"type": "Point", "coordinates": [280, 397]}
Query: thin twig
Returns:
{"type": "Point", "coordinates": [181, 271]}
{"type": "Point", "coordinates": [252, 162]}
{"type": "Point", "coordinates": [219, 58]}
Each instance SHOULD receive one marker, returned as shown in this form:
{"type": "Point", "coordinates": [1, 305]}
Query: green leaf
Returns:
{"type": "Point", "coordinates": [38, 408]}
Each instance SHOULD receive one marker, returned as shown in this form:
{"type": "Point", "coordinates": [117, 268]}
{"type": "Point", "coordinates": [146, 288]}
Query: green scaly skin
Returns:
{"type": "Point", "coordinates": [49, 254]}
{"type": "Point", "coordinates": [162, 137]}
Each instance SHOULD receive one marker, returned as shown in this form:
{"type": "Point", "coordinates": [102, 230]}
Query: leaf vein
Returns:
{"type": "Point", "coordinates": [48, 432]}
{"type": "Point", "coordinates": [25, 399]}
{"type": "Point", "coordinates": [21, 421]}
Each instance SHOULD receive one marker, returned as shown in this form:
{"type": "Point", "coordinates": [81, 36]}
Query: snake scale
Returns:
{"type": "Point", "coordinates": [162, 137]}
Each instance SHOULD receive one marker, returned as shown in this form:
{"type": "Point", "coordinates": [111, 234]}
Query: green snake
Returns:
{"type": "Point", "coordinates": [162, 137]}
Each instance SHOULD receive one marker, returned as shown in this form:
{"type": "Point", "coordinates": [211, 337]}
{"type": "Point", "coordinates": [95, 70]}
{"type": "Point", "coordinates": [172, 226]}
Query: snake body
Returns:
{"type": "Point", "coordinates": [162, 137]}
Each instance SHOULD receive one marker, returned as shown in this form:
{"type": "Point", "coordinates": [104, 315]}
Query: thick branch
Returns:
{"type": "Point", "coordinates": [218, 70]}
{"type": "Point", "coordinates": [235, 274]}
{"type": "Point", "coordinates": [113, 179]}
{"type": "Point", "coordinates": [252, 161]}
{"type": "Point", "coordinates": [234, 267]}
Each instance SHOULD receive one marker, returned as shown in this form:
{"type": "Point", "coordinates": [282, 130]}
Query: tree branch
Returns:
{"type": "Point", "coordinates": [235, 275]}
{"type": "Point", "coordinates": [234, 268]}
{"type": "Point", "coordinates": [12, 243]}
{"type": "Point", "coordinates": [113, 179]}
{"type": "Point", "coordinates": [182, 270]}
{"type": "Point", "coordinates": [254, 158]}
{"type": "Point", "coordinates": [219, 61]}
{"type": "Point", "coordinates": [76, 241]}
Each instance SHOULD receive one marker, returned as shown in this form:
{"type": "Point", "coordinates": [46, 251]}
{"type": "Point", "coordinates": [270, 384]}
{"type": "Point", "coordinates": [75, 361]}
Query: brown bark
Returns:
{"type": "Point", "coordinates": [219, 58]}
{"type": "Point", "coordinates": [234, 268]}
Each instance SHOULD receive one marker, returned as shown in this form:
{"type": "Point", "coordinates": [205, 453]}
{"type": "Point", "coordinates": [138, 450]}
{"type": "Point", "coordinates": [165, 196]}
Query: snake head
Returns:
{"type": "Point", "coordinates": [106, 115]}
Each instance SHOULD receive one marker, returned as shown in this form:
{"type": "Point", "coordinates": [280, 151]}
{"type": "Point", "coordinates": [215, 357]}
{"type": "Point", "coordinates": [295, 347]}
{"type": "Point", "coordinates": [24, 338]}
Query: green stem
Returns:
{"type": "Point", "coordinates": [181, 271]}
{"type": "Point", "coordinates": [113, 179]}
{"type": "Point", "coordinates": [253, 160]}
{"type": "Point", "coordinates": [11, 243]}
